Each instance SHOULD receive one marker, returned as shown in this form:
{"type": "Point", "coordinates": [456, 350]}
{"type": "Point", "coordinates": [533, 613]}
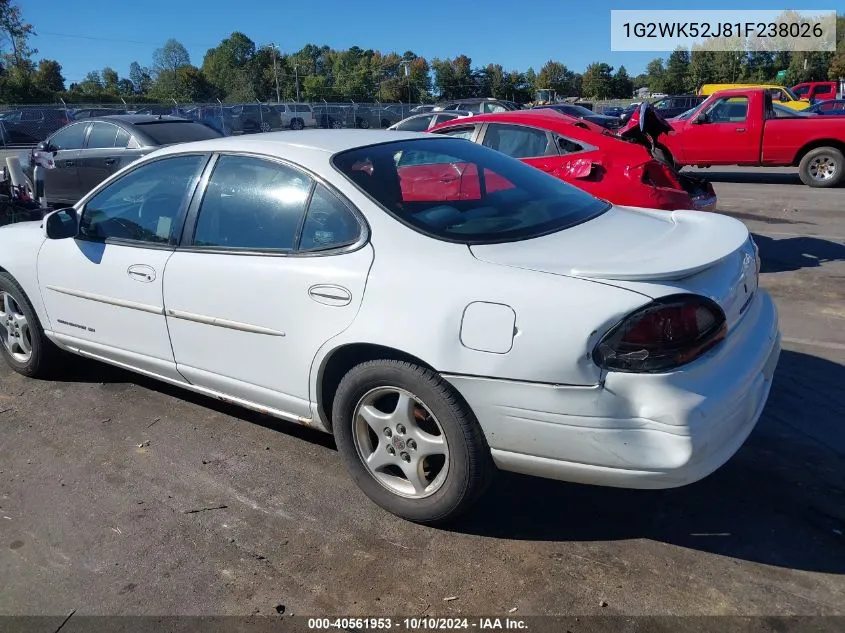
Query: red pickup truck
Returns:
{"type": "Point", "coordinates": [741, 127]}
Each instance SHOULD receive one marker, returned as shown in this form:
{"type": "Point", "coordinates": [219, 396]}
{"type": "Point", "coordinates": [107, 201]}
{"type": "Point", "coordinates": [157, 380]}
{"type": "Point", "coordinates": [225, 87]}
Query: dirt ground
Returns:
{"type": "Point", "coordinates": [228, 512]}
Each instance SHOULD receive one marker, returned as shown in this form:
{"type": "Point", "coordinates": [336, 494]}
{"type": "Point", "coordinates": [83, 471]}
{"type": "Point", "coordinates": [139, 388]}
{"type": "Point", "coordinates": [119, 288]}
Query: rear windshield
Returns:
{"type": "Point", "coordinates": [167, 132]}
{"type": "Point", "coordinates": [456, 190]}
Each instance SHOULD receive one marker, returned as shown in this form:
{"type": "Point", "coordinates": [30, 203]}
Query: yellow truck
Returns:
{"type": "Point", "coordinates": [780, 94]}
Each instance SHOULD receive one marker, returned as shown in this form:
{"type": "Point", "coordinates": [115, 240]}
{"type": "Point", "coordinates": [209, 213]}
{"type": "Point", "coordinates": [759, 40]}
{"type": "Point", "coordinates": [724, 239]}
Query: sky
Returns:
{"type": "Point", "coordinates": [92, 34]}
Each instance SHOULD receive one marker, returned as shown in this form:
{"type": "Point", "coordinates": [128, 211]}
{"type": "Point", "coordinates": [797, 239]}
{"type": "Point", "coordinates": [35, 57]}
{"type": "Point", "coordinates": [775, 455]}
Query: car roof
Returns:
{"type": "Point", "coordinates": [280, 143]}
{"type": "Point", "coordinates": [138, 118]}
{"type": "Point", "coordinates": [547, 118]}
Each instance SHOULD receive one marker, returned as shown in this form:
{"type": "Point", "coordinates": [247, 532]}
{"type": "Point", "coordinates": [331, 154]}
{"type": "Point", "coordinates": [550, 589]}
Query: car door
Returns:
{"type": "Point", "coordinates": [250, 297]}
{"type": "Point", "coordinates": [102, 290]}
{"type": "Point", "coordinates": [727, 135]}
{"type": "Point", "coordinates": [62, 184]}
{"type": "Point", "coordinates": [97, 159]}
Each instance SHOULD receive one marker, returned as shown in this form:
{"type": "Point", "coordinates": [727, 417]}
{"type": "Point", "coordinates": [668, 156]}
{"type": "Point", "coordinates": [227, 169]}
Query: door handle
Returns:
{"type": "Point", "coordinates": [110, 161]}
{"type": "Point", "coordinates": [330, 294]}
{"type": "Point", "coordinates": [142, 273]}
{"type": "Point", "coordinates": [69, 163]}
{"type": "Point", "coordinates": [740, 129]}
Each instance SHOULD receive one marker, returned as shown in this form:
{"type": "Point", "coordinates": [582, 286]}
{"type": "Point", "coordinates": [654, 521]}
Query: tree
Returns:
{"type": "Point", "coordinates": [170, 57]}
{"type": "Point", "coordinates": [656, 76]}
{"type": "Point", "coordinates": [186, 84]}
{"type": "Point", "coordinates": [556, 76]}
{"type": "Point", "coordinates": [623, 87]}
{"type": "Point", "coordinates": [701, 68]}
{"type": "Point", "coordinates": [597, 81]}
{"type": "Point", "coordinates": [49, 77]}
{"type": "Point", "coordinates": [110, 80]}
{"type": "Point", "coordinates": [17, 32]}
{"type": "Point", "coordinates": [677, 80]}
{"type": "Point", "coordinates": [454, 78]}
{"type": "Point", "coordinates": [140, 77]}
{"type": "Point", "coordinates": [125, 88]}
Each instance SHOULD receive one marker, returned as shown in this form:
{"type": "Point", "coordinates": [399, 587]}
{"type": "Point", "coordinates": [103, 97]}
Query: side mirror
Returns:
{"type": "Point", "coordinates": [700, 119]}
{"type": "Point", "coordinates": [44, 146]}
{"type": "Point", "coordinates": [61, 224]}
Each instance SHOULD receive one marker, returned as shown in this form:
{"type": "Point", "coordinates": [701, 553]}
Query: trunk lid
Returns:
{"type": "Point", "coordinates": [654, 253]}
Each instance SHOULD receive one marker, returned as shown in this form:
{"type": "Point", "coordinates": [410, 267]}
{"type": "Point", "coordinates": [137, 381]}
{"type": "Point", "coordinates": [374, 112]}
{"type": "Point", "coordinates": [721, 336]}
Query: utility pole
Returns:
{"type": "Point", "coordinates": [407, 66]}
{"type": "Point", "coordinates": [296, 75]}
{"type": "Point", "coordinates": [275, 73]}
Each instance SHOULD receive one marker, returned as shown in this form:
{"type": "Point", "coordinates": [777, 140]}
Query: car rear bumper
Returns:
{"type": "Point", "coordinates": [635, 430]}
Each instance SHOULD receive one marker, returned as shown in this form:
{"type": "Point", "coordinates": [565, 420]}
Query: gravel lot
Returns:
{"type": "Point", "coordinates": [228, 512]}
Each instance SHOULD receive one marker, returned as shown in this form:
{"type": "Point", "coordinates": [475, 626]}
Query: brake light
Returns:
{"type": "Point", "coordinates": [664, 335]}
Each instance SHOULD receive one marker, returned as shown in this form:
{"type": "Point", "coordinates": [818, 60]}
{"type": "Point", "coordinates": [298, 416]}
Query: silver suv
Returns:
{"type": "Point", "coordinates": [296, 116]}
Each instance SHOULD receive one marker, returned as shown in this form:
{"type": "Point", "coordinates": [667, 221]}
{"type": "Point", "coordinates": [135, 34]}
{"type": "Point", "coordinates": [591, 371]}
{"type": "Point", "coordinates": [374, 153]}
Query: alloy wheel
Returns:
{"type": "Point", "coordinates": [823, 168]}
{"type": "Point", "coordinates": [14, 329]}
{"type": "Point", "coordinates": [400, 442]}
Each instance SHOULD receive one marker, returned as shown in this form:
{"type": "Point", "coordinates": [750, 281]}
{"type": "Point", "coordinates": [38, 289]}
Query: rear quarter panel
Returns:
{"type": "Point", "coordinates": [784, 139]}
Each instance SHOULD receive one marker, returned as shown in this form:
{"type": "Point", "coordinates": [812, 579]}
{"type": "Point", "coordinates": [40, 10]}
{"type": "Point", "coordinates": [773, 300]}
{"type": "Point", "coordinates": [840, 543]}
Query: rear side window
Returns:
{"type": "Point", "coordinates": [251, 203]}
{"type": "Point", "coordinates": [417, 124]}
{"type": "Point", "coordinates": [302, 108]}
{"type": "Point", "coordinates": [460, 132]}
{"type": "Point", "coordinates": [167, 132]}
{"type": "Point", "coordinates": [328, 223]}
{"type": "Point", "coordinates": [102, 135]}
{"type": "Point", "coordinates": [517, 141]}
{"type": "Point", "coordinates": [122, 139]}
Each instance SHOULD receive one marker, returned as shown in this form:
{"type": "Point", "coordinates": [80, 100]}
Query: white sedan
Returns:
{"type": "Point", "coordinates": [439, 307]}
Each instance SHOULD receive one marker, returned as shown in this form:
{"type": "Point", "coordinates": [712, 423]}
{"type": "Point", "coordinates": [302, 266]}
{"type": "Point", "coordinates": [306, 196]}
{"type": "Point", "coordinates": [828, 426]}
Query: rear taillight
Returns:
{"type": "Point", "coordinates": [663, 335]}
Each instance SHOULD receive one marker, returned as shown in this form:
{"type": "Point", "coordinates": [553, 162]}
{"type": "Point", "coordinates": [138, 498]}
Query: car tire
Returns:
{"type": "Point", "coordinates": [265, 126]}
{"type": "Point", "coordinates": [458, 466]}
{"type": "Point", "coordinates": [336, 125]}
{"type": "Point", "coordinates": [822, 167]}
{"type": "Point", "coordinates": [297, 124]}
{"type": "Point", "coordinates": [23, 344]}
{"type": "Point", "coordinates": [364, 124]}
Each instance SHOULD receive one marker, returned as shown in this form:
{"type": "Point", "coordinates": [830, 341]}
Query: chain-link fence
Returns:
{"type": "Point", "coordinates": [23, 126]}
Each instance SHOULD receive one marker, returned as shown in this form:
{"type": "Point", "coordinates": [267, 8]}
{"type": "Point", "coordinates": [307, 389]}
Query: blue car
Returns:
{"type": "Point", "coordinates": [835, 107]}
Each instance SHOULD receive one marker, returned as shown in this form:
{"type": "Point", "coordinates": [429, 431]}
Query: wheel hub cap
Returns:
{"type": "Point", "coordinates": [823, 168]}
{"type": "Point", "coordinates": [400, 442]}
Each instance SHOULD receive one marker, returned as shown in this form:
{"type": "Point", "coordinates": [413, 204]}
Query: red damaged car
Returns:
{"type": "Point", "coordinates": [627, 168]}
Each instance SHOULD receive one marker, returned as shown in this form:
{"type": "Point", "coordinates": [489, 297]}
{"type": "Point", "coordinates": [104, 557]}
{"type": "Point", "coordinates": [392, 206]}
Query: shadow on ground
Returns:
{"type": "Point", "coordinates": [760, 176]}
{"type": "Point", "coordinates": [794, 253]}
{"type": "Point", "coordinates": [780, 501]}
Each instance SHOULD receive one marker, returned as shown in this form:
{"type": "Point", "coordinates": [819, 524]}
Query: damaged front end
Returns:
{"type": "Point", "coordinates": [645, 127]}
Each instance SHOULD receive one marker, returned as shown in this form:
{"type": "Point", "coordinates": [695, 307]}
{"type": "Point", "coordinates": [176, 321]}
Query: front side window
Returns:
{"type": "Point", "coordinates": [70, 137]}
{"type": "Point", "coordinates": [517, 141]}
{"type": "Point", "coordinates": [143, 205]}
{"type": "Point", "coordinates": [252, 203]}
{"type": "Point", "coordinates": [471, 194]}
{"type": "Point", "coordinates": [102, 135]}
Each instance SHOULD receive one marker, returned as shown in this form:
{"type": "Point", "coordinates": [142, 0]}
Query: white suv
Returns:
{"type": "Point", "coordinates": [296, 115]}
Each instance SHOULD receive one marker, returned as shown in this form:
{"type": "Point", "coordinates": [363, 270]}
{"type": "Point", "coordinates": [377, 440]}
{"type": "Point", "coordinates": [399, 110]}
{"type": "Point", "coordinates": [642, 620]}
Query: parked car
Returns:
{"type": "Point", "coordinates": [295, 116]}
{"type": "Point", "coordinates": [613, 111]}
{"type": "Point", "coordinates": [833, 106]}
{"type": "Point", "coordinates": [252, 118]}
{"type": "Point", "coordinates": [87, 152]}
{"type": "Point", "coordinates": [86, 113]}
{"type": "Point", "coordinates": [422, 122]}
{"type": "Point", "coordinates": [559, 335]}
{"type": "Point", "coordinates": [669, 107]}
{"type": "Point", "coordinates": [658, 95]}
{"type": "Point", "coordinates": [29, 126]}
{"type": "Point", "coordinates": [334, 116]}
{"type": "Point", "coordinates": [587, 156]}
{"type": "Point", "coordinates": [420, 109]}
{"type": "Point", "coordinates": [216, 117]}
{"type": "Point", "coordinates": [375, 117]}
{"type": "Point", "coordinates": [741, 127]}
{"type": "Point", "coordinates": [478, 105]}
{"type": "Point", "coordinates": [814, 91]}
{"type": "Point", "coordinates": [580, 112]}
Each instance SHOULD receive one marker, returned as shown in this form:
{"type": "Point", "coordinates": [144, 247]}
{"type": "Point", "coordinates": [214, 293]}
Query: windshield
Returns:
{"type": "Point", "coordinates": [167, 132]}
{"type": "Point", "coordinates": [459, 191]}
{"type": "Point", "coordinates": [687, 114]}
{"type": "Point", "coordinates": [791, 94]}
